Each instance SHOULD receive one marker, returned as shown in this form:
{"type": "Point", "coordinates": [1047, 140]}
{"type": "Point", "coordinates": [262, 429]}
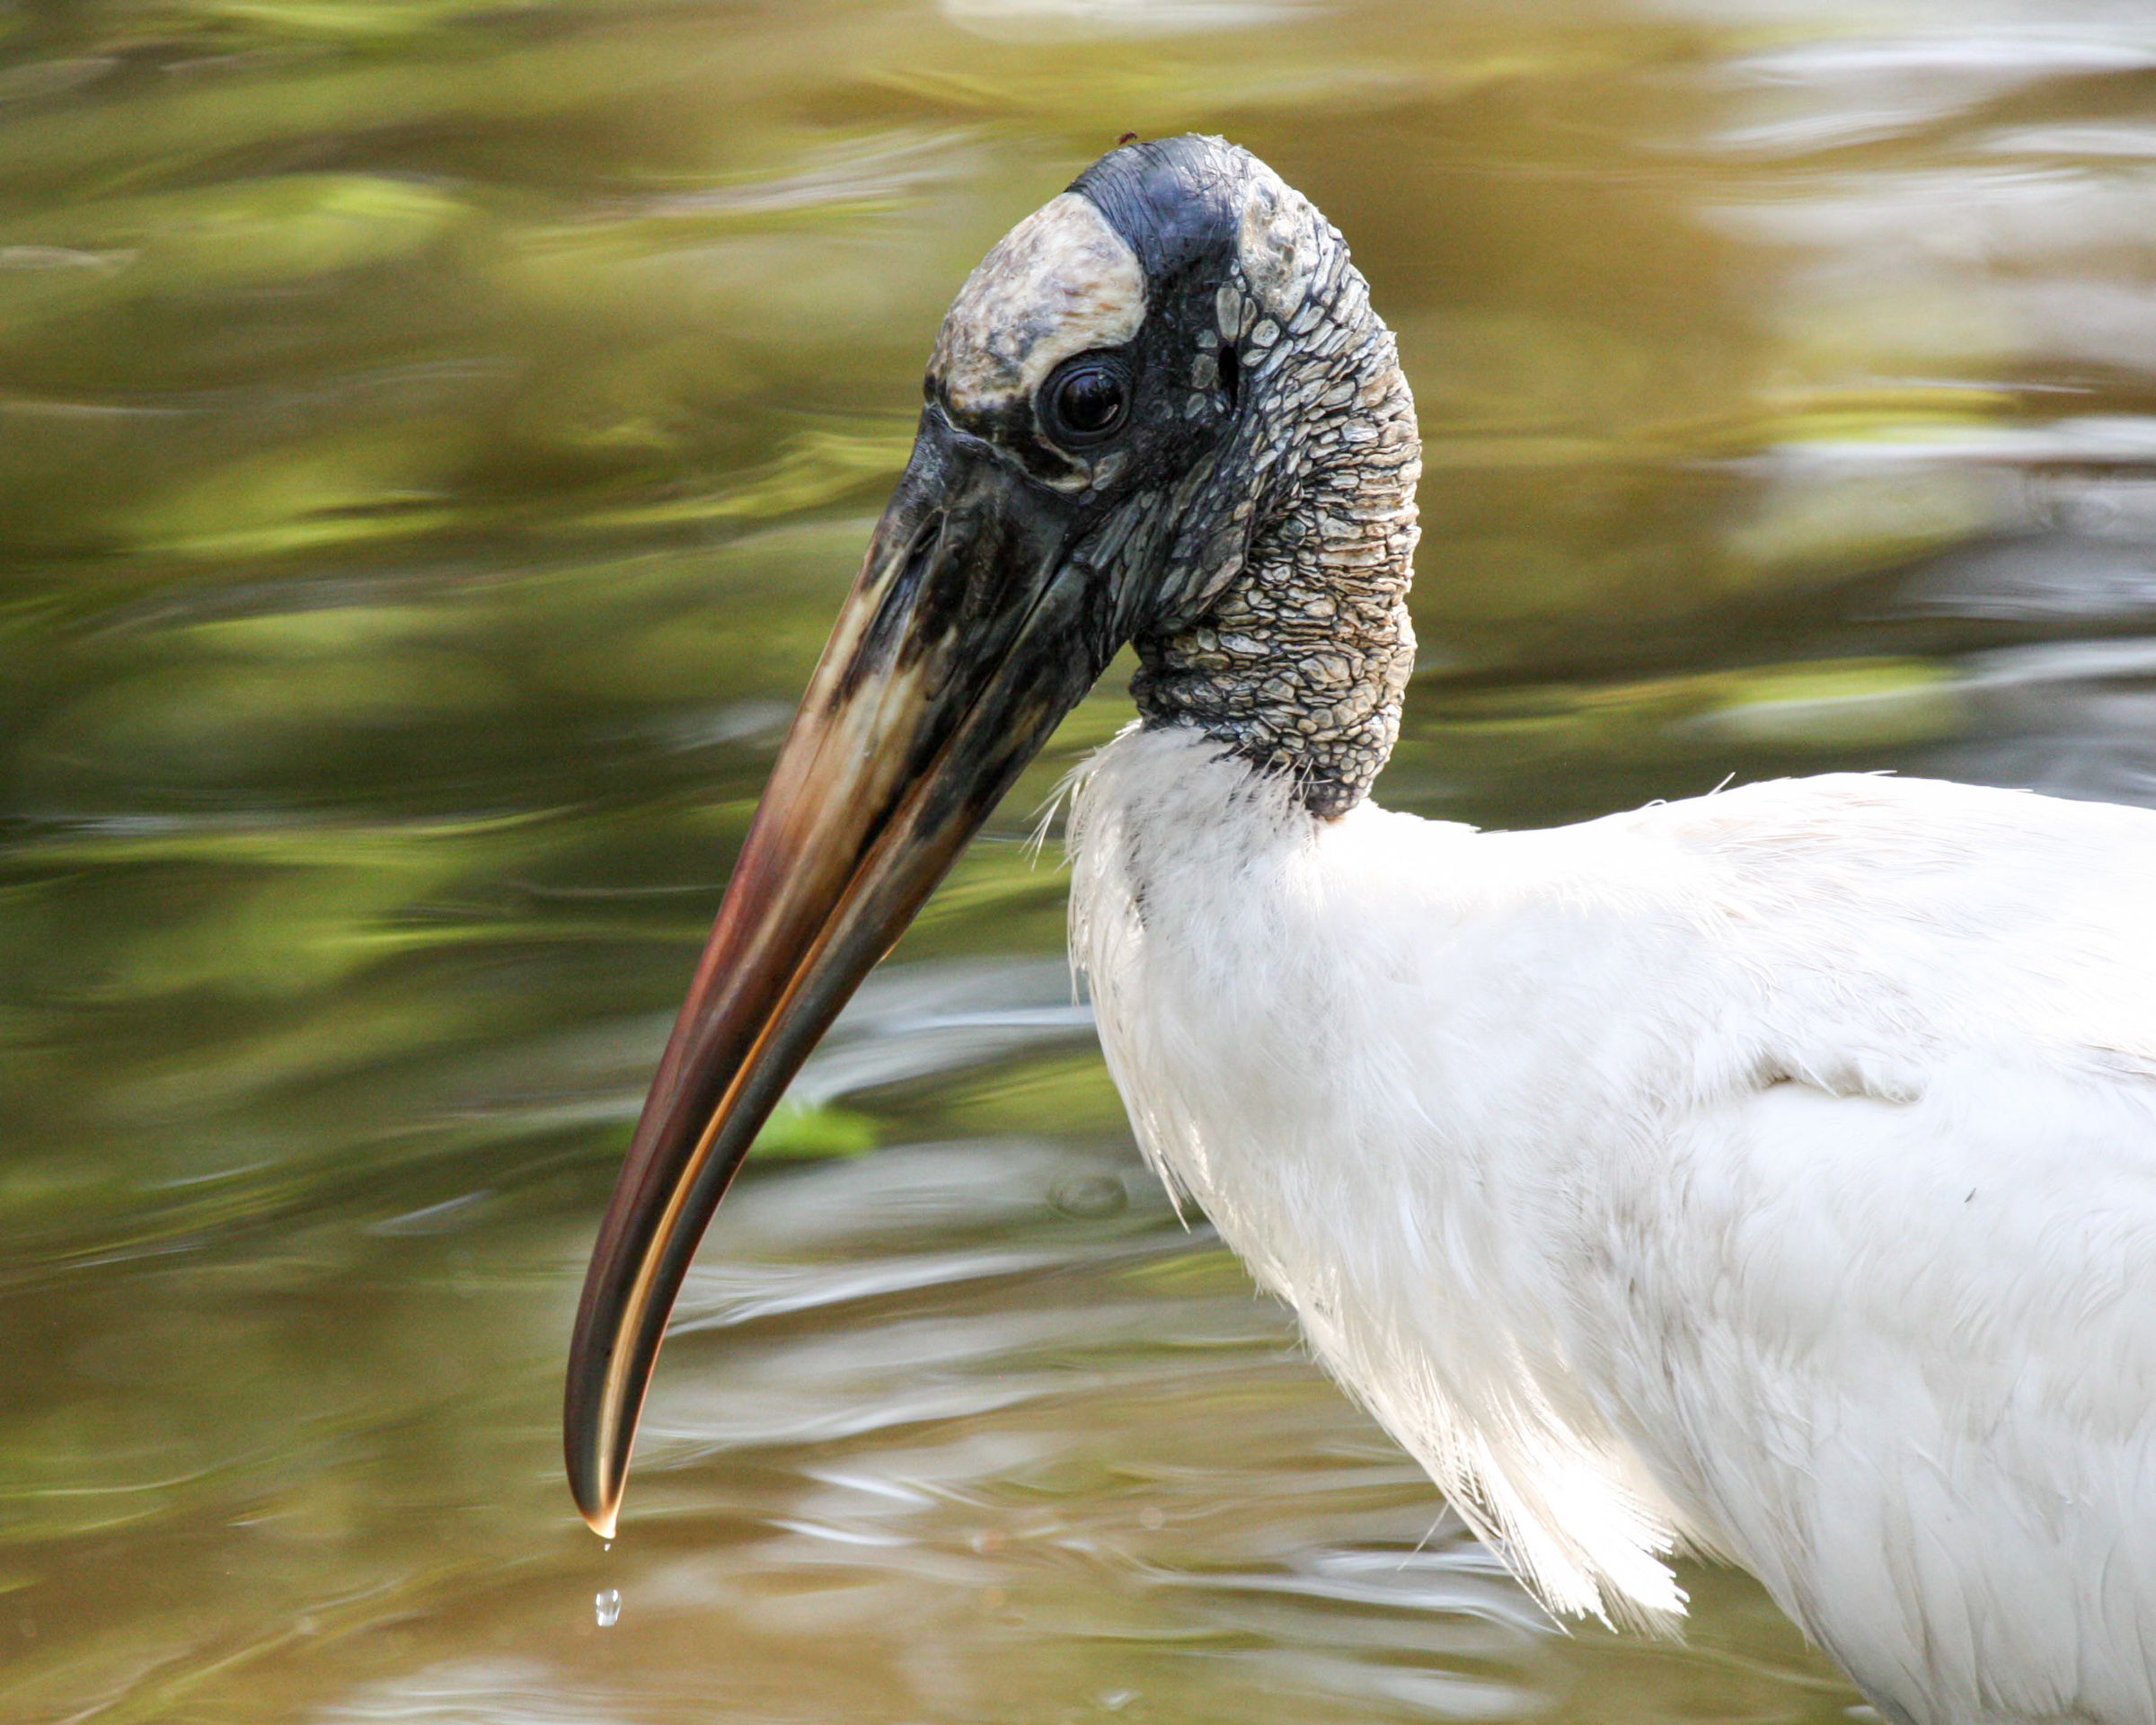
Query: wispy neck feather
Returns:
{"type": "Point", "coordinates": [1301, 662]}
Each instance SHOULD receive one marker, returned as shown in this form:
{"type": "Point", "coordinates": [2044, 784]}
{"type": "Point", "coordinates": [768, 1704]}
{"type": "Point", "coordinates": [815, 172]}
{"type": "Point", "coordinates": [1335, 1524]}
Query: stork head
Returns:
{"type": "Point", "coordinates": [1160, 410]}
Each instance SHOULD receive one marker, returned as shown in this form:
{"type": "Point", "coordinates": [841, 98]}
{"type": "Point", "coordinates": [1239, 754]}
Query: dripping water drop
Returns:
{"type": "Point", "coordinates": [606, 1608]}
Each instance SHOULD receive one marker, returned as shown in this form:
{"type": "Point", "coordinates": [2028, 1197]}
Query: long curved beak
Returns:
{"type": "Point", "coordinates": [965, 641]}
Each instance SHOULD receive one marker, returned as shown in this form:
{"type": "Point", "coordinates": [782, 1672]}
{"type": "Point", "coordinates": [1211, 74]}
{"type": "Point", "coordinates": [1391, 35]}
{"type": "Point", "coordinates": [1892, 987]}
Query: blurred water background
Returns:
{"type": "Point", "coordinates": [434, 438]}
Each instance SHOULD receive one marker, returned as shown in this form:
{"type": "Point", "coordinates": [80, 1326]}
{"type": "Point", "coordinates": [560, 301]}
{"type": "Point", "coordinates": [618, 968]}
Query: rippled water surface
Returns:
{"type": "Point", "coordinates": [434, 438]}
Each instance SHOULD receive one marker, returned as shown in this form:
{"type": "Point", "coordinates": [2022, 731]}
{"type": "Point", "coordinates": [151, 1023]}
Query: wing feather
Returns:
{"type": "Point", "coordinates": [1917, 1389]}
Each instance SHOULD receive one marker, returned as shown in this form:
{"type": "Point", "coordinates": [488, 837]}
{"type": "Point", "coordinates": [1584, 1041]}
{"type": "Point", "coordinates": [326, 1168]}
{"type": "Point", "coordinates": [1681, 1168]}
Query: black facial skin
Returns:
{"type": "Point", "coordinates": [1176, 202]}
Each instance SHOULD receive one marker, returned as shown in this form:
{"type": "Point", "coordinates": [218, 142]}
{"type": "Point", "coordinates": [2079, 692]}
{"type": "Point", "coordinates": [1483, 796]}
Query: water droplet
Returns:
{"type": "Point", "coordinates": [606, 1608]}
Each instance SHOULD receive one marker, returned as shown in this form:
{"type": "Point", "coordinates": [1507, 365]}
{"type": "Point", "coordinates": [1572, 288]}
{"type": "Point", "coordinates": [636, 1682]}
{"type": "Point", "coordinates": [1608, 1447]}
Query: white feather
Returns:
{"type": "Point", "coordinates": [1773, 1173]}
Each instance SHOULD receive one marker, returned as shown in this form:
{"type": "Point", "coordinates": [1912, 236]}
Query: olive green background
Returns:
{"type": "Point", "coordinates": [434, 439]}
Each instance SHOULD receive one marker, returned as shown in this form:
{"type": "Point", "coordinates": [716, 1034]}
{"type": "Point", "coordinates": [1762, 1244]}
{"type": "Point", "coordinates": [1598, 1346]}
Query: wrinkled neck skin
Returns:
{"type": "Point", "coordinates": [1301, 655]}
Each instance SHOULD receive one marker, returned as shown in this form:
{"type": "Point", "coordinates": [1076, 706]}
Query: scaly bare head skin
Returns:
{"type": "Point", "coordinates": [1059, 283]}
{"type": "Point", "coordinates": [1161, 410]}
{"type": "Point", "coordinates": [1289, 637]}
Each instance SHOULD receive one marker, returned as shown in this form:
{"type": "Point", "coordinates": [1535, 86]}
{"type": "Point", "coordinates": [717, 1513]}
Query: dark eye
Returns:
{"type": "Point", "coordinates": [1086, 401]}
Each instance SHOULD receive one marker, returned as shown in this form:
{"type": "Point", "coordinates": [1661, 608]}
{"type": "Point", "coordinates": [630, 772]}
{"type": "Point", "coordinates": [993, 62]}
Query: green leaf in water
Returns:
{"type": "Point", "coordinates": [805, 1132]}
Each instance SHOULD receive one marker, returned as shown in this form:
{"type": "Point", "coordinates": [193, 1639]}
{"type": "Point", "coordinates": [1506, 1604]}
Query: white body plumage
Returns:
{"type": "Point", "coordinates": [1773, 1173]}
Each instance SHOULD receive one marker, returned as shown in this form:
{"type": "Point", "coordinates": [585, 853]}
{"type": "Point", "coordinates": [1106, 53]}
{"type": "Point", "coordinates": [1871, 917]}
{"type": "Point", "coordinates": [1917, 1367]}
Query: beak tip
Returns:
{"type": "Point", "coordinates": [600, 1510]}
{"type": "Point", "coordinates": [594, 1488]}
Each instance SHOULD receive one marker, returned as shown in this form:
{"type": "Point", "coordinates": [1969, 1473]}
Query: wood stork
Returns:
{"type": "Point", "coordinates": [1770, 1176]}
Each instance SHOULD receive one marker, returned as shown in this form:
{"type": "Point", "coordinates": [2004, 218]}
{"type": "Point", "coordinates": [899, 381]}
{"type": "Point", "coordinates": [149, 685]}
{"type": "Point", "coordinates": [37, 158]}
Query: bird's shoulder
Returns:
{"type": "Point", "coordinates": [1867, 830]}
{"type": "Point", "coordinates": [1961, 920]}
{"type": "Point", "coordinates": [1843, 923]}
{"type": "Point", "coordinates": [1877, 841]}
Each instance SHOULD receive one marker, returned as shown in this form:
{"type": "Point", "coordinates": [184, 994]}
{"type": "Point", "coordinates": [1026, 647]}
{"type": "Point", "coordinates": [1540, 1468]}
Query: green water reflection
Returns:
{"type": "Point", "coordinates": [434, 438]}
